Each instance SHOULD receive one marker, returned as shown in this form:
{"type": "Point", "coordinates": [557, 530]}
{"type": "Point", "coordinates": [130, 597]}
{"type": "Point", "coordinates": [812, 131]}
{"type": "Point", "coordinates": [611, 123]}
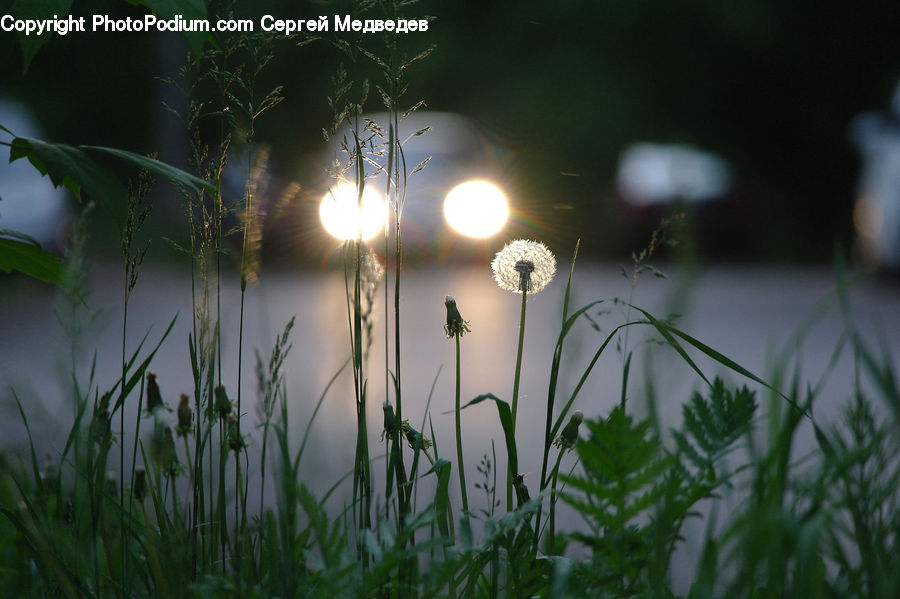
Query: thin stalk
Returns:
{"type": "Point", "coordinates": [356, 389]}
{"type": "Point", "coordinates": [398, 261]}
{"type": "Point", "coordinates": [459, 451]}
{"type": "Point", "coordinates": [363, 429]}
{"type": "Point", "coordinates": [245, 269]}
{"type": "Point", "coordinates": [211, 425]}
{"type": "Point", "coordinates": [515, 393]}
{"type": "Point", "coordinates": [122, 425]}
{"type": "Point", "coordinates": [137, 428]}
{"type": "Point", "coordinates": [219, 207]}
{"type": "Point", "coordinates": [175, 516]}
{"type": "Point", "coordinates": [551, 539]}
{"type": "Point", "coordinates": [238, 537]}
{"type": "Point", "coordinates": [187, 454]}
{"type": "Point", "coordinates": [387, 353]}
{"type": "Point", "coordinates": [237, 462]}
{"type": "Point", "coordinates": [495, 571]}
{"type": "Point", "coordinates": [551, 390]}
{"type": "Point", "coordinates": [262, 465]}
{"type": "Point", "coordinates": [626, 354]}
{"type": "Point", "coordinates": [221, 519]}
{"type": "Point", "coordinates": [197, 486]}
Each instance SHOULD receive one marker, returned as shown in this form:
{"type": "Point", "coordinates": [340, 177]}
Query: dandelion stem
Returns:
{"type": "Point", "coordinates": [515, 392]}
{"type": "Point", "coordinates": [551, 539]}
{"type": "Point", "coordinates": [459, 451]}
{"type": "Point", "coordinates": [187, 453]}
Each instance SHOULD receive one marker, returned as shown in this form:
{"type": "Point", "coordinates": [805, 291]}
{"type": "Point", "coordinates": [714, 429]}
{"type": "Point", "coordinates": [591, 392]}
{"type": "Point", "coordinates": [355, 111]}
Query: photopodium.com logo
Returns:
{"type": "Point", "coordinates": [178, 24]}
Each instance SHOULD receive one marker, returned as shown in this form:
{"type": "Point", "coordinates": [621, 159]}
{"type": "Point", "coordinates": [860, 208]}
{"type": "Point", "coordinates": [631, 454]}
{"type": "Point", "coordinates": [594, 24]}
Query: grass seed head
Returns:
{"type": "Point", "coordinates": [371, 271]}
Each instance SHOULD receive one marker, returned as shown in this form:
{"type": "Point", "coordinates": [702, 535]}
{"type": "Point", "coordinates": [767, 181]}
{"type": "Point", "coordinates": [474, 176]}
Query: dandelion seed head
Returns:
{"type": "Point", "coordinates": [524, 265]}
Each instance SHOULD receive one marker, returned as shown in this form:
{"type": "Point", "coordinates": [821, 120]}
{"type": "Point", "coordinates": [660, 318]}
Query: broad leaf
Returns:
{"type": "Point", "coordinates": [31, 260]}
{"type": "Point", "coordinates": [20, 236]}
{"type": "Point", "coordinates": [75, 169]}
{"type": "Point", "coordinates": [72, 168]}
{"type": "Point", "coordinates": [176, 176]}
{"type": "Point", "coordinates": [39, 10]}
{"type": "Point", "coordinates": [509, 434]}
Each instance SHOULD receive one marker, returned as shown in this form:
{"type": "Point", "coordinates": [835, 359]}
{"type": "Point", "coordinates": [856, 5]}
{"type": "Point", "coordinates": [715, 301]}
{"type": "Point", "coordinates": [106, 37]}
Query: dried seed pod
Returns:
{"type": "Point", "coordinates": [415, 439]}
{"type": "Point", "coordinates": [223, 404]}
{"type": "Point", "coordinates": [185, 417]}
{"type": "Point", "coordinates": [154, 397]}
{"type": "Point", "coordinates": [569, 435]}
{"type": "Point", "coordinates": [99, 431]}
{"type": "Point", "coordinates": [233, 435]}
{"type": "Point", "coordinates": [390, 420]}
{"type": "Point", "coordinates": [140, 484]}
{"type": "Point", "coordinates": [522, 494]}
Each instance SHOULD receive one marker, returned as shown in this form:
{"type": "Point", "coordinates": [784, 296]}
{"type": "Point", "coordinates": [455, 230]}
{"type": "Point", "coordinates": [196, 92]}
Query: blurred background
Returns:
{"type": "Point", "coordinates": [595, 118]}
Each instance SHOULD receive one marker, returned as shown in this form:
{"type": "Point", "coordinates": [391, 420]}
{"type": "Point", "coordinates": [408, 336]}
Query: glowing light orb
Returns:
{"type": "Point", "coordinates": [344, 218]}
{"type": "Point", "coordinates": [476, 209]}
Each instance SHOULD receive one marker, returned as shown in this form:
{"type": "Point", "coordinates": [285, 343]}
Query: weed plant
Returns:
{"type": "Point", "coordinates": [177, 522]}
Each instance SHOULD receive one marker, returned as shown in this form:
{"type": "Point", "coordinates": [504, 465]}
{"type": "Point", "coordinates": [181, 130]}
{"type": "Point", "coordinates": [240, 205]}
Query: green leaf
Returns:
{"type": "Point", "coordinates": [441, 470]}
{"type": "Point", "coordinates": [32, 261]}
{"type": "Point", "coordinates": [669, 333]}
{"type": "Point", "coordinates": [75, 169]}
{"type": "Point", "coordinates": [7, 131]}
{"type": "Point", "coordinates": [174, 175]}
{"type": "Point", "coordinates": [72, 168]}
{"type": "Point", "coordinates": [39, 10]}
{"type": "Point", "coordinates": [506, 422]}
{"type": "Point", "coordinates": [710, 426]}
{"type": "Point", "coordinates": [20, 236]}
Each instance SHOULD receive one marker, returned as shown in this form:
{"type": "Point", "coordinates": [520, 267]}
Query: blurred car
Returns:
{"type": "Point", "coordinates": [440, 151]}
{"type": "Point", "coordinates": [657, 174]}
{"type": "Point", "coordinates": [876, 213]}
{"type": "Point", "coordinates": [656, 180]}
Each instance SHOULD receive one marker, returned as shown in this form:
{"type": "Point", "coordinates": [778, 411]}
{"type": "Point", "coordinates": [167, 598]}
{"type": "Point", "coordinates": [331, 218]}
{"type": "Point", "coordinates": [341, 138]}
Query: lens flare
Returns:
{"type": "Point", "coordinates": [344, 218]}
{"type": "Point", "coordinates": [476, 209]}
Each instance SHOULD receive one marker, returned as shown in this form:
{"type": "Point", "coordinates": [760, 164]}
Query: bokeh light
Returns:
{"type": "Point", "coordinates": [344, 218]}
{"type": "Point", "coordinates": [476, 209]}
